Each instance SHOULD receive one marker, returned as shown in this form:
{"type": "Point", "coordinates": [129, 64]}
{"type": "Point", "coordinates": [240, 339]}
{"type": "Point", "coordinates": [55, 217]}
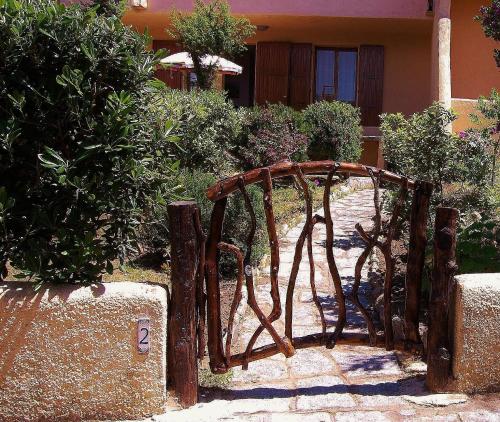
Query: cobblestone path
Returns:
{"type": "Point", "coordinates": [347, 383]}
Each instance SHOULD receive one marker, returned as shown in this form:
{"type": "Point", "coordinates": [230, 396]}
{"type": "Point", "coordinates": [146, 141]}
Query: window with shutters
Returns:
{"type": "Point", "coordinates": [336, 74]}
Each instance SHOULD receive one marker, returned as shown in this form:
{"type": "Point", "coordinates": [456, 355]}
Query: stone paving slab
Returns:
{"type": "Point", "coordinates": [308, 362]}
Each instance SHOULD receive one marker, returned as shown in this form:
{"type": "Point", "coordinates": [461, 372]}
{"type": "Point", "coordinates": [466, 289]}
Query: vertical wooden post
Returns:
{"type": "Point", "coordinates": [439, 350]}
{"type": "Point", "coordinates": [218, 363]}
{"type": "Point", "coordinates": [416, 256]}
{"type": "Point", "coordinates": [182, 350]}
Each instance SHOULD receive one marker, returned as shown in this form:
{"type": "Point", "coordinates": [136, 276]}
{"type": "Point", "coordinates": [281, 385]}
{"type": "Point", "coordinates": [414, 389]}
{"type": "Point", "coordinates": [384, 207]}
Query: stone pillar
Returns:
{"type": "Point", "coordinates": [476, 330]}
{"type": "Point", "coordinates": [441, 48]}
{"type": "Point", "coordinates": [71, 352]}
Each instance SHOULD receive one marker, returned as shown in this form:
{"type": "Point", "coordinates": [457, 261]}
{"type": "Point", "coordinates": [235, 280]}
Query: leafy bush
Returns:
{"type": "Point", "coordinates": [475, 157]}
{"type": "Point", "coordinates": [478, 246]}
{"type": "Point", "coordinates": [489, 112]}
{"type": "Point", "coordinates": [460, 168]}
{"type": "Point", "coordinates": [421, 147]}
{"type": "Point", "coordinates": [269, 134]}
{"type": "Point", "coordinates": [490, 19]}
{"type": "Point", "coordinates": [210, 29]}
{"type": "Point", "coordinates": [210, 126]}
{"type": "Point", "coordinates": [334, 131]}
{"type": "Point", "coordinates": [236, 220]}
{"type": "Point", "coordinates": [78, 152]}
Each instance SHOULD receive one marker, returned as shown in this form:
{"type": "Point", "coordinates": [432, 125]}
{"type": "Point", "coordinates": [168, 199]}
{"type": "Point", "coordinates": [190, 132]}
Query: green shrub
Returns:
{"type": "Point", "coordinates": [334, 131]}
{"type": "Point", "coordinates": [236, 221]}
{"type": "Point", "coordinates": [489, 113]}
{"type": "Point", "coordinates": [270, 134]}
{"type": "Point", "coordinates": [478, 248]}
{"type": "Point", "coordinates": [475, 157]}
{"type": "Point", "coordinates": [421, 147]}
{"type": "Point", "coordinates": [460, 168]}
{"type": "Point", "coordinates": [490, 19]}
{"type": "Point", "coordinates": [78, 152]}
{"type": "Point", "coordinates": [210, 126]}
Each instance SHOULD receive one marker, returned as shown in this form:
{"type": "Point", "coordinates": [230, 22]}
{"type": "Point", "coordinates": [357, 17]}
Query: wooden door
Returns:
{"type": "Point", "coordinates": [300, 76]}
{"type": "Point", "coordinates": [271, 74]}
{"type": "Point", "coordinates": [172, 79]}
{"type": "Point", "coordinates": [371, 83]}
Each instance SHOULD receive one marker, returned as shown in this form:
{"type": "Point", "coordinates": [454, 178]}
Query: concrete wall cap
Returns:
{"type": "Point", "coordinates": [479, 281]}
{"type": "Point", "coordinates": [476, 329]}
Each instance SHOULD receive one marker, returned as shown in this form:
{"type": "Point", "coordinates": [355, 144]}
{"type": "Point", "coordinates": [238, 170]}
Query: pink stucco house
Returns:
{"type": "Point", "coordinates": [381, 55]}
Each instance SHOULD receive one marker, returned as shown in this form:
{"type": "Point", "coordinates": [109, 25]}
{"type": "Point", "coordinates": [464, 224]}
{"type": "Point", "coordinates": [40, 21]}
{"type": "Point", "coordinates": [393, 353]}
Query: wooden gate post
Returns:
{"type": "Point", "coordinates": [182, 345]}
{"type": "Point", "coordinates": [439, 351]}
{"type": "Point", "coordinates": [416, 255]}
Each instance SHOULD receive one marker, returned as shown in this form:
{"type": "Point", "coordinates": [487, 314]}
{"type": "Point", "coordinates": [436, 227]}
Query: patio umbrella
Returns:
{"type": "Point", "coordinates": [183, 61]}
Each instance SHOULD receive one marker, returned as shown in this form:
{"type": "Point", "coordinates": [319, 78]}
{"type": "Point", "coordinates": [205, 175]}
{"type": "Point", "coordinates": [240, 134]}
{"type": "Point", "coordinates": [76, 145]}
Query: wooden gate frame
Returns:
{"type": "Point", "coordinates": [220, 357]}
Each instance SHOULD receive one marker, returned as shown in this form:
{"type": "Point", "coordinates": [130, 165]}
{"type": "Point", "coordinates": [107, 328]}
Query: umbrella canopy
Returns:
{"type": "Point", "coordinates": [183, 61]}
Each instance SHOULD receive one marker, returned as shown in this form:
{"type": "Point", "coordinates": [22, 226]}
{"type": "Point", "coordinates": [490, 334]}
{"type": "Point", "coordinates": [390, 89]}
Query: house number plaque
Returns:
{"type": "Point", "coordinates": [143, 334]}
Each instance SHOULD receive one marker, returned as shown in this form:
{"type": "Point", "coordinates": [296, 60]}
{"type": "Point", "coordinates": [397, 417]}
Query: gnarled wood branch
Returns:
{"type": "Point", "coordinates": [201, 298]}
{"type": "Point", "coordinates": [232, 249]}
{"type": "Point", "coordinates": [370, 241]}
{"type": "Point", "coordinates": [283, 344]}
{"type": "Point", "coordinates": [332, 266]}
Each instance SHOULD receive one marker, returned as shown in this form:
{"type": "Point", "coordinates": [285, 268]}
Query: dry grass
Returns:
{"type": "Point", "coordinates": [209, 380]}
{"type": "Point", "coordinates": [127, 273]}
{"type": "Point", "coordinates": [137, 274]}
{"type": "Point", "coordinates": [289, 205]}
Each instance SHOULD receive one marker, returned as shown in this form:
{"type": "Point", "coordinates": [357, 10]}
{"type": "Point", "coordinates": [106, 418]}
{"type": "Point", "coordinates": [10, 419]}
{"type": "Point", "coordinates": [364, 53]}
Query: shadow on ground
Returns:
{"type": "Point", "coordinates": [414, 386]}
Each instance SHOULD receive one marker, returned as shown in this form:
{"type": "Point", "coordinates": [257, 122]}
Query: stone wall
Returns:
{"type": "Point", "coordinates": [71, 353]}
{"type": "Point", "coordinates": [476, 356]}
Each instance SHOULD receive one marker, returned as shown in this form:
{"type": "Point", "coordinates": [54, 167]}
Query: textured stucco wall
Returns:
{"type": "Point", "coordinates": [476, 356]}
{"type": "Point", "coordinates": [70, 353]}
{"type": "Point", "coordinates": [408, 9]}
{"type": "Point", "coordinates": [473, 68]}
{"type": "Point", "coordinates": [464, 108]}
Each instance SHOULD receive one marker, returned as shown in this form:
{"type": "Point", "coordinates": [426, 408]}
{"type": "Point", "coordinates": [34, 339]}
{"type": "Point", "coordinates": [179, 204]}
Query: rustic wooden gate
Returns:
{"type": "Point", "coordinates": [221, 358]}
{"type": "Point", "coordinates": [194, 259]}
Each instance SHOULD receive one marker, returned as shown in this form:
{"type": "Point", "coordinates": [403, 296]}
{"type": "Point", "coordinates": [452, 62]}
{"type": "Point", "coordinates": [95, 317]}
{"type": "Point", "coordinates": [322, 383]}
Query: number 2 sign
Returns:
{"type": "Point", "coordinates": [143, 334]}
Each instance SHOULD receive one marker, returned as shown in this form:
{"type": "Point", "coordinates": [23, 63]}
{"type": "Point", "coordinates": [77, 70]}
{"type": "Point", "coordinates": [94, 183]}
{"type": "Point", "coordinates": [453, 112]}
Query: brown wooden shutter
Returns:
{"type": "Point", "coordinates": [172, 79]}
{"type": "Point", "coordinates": [300, 75]}
{"type": "Point", "coordinates": [272, 68]}
{"type": "Point", "coordinates": [371, 83]}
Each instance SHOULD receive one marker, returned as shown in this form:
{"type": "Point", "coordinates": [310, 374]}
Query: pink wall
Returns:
{"type": "Point", "coordinates": [411, 9]}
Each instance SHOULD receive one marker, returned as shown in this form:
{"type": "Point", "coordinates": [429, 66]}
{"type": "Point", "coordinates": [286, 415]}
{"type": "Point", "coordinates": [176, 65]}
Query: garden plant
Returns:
{"type": "Point", "coordinates": [462, 169]}
{"type": "Point", "coordinates": [79, 154]}
{"type": "Point", "coordinates": [490, 19]}
{"type": "Point", "coordinates": [210, 29]}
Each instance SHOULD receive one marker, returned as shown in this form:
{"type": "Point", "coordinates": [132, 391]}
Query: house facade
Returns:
{"type": "Point", "coordinates": [384, 56]}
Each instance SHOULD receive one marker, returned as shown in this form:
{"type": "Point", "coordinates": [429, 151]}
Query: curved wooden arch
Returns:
{"type": "Point", "coordinates": [287, 168]}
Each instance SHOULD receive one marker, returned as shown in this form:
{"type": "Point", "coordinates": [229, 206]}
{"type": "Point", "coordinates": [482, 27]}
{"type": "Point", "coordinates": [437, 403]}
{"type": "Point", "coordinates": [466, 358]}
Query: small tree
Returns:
{"type": "Point", "coordinates": [420, 146]}
{"type": "Point", "coordinates": [210, 29]}
{"type": "Point", "coordinates": [490, 19]}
